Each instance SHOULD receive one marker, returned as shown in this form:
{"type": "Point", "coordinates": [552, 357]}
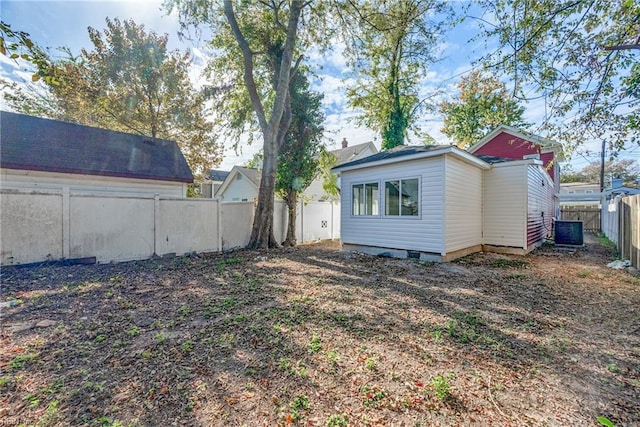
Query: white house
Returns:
{"type": "Point", "coordinates": [242, 183]}
{"type": "Point", "coordinates": [439, 203]}
{"type": "Point", "coordinates": [44, 154]}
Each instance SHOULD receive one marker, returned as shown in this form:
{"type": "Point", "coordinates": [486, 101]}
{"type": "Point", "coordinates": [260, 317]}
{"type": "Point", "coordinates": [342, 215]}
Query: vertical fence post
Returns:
{"type": "Point", "coordinates": [66, 222]}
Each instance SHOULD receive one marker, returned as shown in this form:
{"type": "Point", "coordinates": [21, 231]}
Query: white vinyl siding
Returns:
{"type": "Point", "coordinates": [463, 204]}
{"type": "Point", "coordinates": [419, 233]}
{"type": "Point", "coordinates": [541, 206]}
{"type": "Point", "coordinates": [239, 189]}
{"type": "Point", "coordinates": [504, 206]}
{"type": "Point", "coordinates": [89, 184]}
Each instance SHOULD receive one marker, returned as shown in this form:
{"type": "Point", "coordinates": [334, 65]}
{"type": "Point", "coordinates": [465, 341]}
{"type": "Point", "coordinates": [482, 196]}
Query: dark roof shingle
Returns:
{"type": "Point", "coordinates": [33, 143]}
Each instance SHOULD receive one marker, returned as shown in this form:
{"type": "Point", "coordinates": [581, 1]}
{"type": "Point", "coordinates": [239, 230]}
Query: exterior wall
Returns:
{"type": "Point", "coordinates": [422, 233]}
{"type": "Point", "coordinates": [463, 205]}
{"type": "Point", "coordinates": [504, 205]}
{"type": "Point", "coordinates": [239, 190]}
{"type": "Point", "coordinates": [31, 227]}
{"type": "Point", "coordinates": [89, 184]}
{"type": "Point", "coordinates": [540, 205]}
{"type": "Point", "coordinates": [510, 147]}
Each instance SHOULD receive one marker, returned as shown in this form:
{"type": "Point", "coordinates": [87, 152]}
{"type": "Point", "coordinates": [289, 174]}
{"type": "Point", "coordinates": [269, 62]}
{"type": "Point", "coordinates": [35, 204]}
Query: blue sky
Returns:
{"type": "Point", "coordinates": [52, 24]}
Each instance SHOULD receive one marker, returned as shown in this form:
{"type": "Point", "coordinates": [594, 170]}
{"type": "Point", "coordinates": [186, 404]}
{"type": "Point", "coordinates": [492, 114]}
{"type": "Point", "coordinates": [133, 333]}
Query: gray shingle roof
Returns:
{"type": "Point", "coordinates": [400, 151]}
{"type": "Point", "coordinates": [218, 175]}
{"type": "Point", "coordinates": [347, 154]}
{"type": "Point", "coordinates": [33, 143]}
{"type": "Point", "coordinates": [254, 175]}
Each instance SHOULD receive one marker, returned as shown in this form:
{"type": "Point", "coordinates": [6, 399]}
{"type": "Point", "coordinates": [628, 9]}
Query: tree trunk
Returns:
{"type": "Point", "coordinates": [262, 236]}
{"type": "Point", "coordinates": [292, 207]}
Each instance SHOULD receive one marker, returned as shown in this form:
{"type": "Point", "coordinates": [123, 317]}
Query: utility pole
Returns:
{"type": "Point", "coordinates": [602, 166]}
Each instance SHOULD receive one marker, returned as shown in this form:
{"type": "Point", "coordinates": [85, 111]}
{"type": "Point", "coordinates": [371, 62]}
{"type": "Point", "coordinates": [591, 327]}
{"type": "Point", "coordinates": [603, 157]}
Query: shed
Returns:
{"type": "Point", "coordinates": [45, 154]}
{"type": "Point", "coordinates": [423, 202]}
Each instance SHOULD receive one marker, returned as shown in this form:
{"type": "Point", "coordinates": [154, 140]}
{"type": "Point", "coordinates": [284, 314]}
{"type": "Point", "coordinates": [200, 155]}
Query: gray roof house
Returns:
{"type": "Point", "coordinates": [52, 154]}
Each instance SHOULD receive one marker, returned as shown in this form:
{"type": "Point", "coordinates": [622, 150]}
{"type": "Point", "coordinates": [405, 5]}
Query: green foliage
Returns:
{"type": "Point", "coordinates": [329, 179]}
{"type": "Point", "coordinates": [17, 45]}
{"type": "Point", "coordinates": [389, 47]}
{"type": "Point", "coordinates": [581, 56]}
{"type": "Point", "coordinates": [483, 103]}
{"type": "Point", "coordinates": [441, 386]}
{"type": "Point", "coordinates": [337, 420]}
{"type": "Point", "coordinates": [315, 345]}
{"type": "Point", "coordinates": [605, 421]}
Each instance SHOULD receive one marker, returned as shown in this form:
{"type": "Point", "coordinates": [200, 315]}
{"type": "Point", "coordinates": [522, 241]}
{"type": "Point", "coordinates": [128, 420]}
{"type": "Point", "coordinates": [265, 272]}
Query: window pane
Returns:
{"type": "Point", "coordinates": [371, 197]}
{"type": "Point", "coordinates": [409, 188]}
{"type": "Point", "coordinates": [358, 200]}
{"type": "Point", "coordinates": [391, 198]}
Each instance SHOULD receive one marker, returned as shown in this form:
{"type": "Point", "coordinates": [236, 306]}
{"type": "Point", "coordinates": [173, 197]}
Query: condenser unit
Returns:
{"type": "Point", "coordinates": [568, 232]}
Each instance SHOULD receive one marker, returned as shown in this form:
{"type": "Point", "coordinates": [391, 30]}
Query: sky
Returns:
{"type": "Point", "coordinates": [52, 24]}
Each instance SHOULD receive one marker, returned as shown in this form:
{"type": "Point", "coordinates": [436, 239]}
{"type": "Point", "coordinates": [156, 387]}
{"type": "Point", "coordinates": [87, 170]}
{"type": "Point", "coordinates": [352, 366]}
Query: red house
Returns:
{"type": "Point", "coordinates": [511, 143]}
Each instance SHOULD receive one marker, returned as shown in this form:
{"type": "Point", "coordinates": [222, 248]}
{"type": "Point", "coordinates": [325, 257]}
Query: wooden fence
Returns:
{"type": "Point", "coordinates": [621, 224]}
{"type": "Point", "coordinates": [590, 217]}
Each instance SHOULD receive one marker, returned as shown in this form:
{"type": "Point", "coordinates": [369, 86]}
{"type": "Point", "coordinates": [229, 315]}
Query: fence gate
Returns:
{"type": "Point", "coordinates": [590, 217]}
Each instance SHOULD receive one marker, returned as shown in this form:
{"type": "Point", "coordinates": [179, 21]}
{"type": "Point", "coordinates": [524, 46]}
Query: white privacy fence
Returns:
{"type": "Point", "coordinates": [53, 225]}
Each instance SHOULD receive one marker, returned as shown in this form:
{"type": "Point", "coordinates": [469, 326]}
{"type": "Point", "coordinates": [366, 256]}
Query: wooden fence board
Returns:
{"type": "Point", "coordinates": [590, 217]}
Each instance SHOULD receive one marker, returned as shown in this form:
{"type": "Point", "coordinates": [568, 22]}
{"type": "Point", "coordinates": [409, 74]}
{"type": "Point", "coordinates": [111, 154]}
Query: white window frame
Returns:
{"type": "Point", "coordinates": [384, 196]}
{"type": "Point", "coordinates": [363, 186]}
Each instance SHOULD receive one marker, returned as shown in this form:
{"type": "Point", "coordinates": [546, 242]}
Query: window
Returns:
{"type": "Point", "coordinates": [401, 197]}
{"type": "Point", "coordinates": [365, 199]}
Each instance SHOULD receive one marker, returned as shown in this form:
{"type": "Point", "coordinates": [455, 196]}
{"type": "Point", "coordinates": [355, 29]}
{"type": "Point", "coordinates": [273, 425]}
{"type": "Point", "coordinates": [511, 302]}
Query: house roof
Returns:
{"type": "Point", "coordinates": [545, 143]}
{"type": "Point", "coordinates": [37, 144]}
{"type": "Point", "coordinates": [218, 175]}
{"type": "Point", "coordinates": [348, 154]}
{"type": "Point", "coordinates": [411, 152]}
{"type": "Point", "coordinates": [252, 175]}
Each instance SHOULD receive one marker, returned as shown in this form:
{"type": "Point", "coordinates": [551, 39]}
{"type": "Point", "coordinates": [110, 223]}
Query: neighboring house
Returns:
{"type": "Point", "coordinates": [242, 184]}
{"type": "Point", "coordinates": [45, 154]}
{"type": "Point", "coordinates": [580, 194]}
{"type": "Point", "coordinates": [347, 153]}
{"type": "Point", "coordinates": [440, 202]}
{"type": "Point", "coordinates": [212, 183]}
{"type": "Point", "coordinates": [617, 189]}
{"type": "Point", "coordinates": [511, 143]}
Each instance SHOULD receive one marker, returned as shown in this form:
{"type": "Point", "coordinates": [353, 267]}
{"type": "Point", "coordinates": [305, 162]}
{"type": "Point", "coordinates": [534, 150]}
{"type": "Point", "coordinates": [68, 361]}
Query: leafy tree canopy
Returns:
{"type": "Point", "coordinates": [482, 104]}
{"type": "Point", "coordinates": [581, 56]}
{"type": "Point", "coordinates": [626, 169]}
{"type": "Point", "coordinates": [390, 48]}
{"type": "Point", "coordinates": [130, 82]}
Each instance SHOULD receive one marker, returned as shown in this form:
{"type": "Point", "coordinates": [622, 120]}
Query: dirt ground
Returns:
{"type": "Point", "coordinates": [318, 337]}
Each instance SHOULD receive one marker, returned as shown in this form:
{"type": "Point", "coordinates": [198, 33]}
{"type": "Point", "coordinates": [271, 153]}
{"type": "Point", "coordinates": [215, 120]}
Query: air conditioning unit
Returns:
{"type": "Point", "coordinates": [568, 232]}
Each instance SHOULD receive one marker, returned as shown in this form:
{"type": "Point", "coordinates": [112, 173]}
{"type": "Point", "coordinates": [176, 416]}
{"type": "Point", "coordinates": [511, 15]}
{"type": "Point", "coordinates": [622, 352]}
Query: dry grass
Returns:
{"type": "Point", "coordinates": [314, 336]}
